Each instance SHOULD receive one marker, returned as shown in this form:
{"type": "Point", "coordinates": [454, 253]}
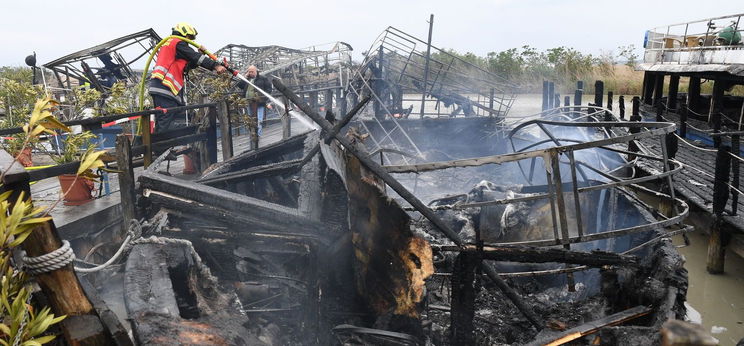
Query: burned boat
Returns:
{"type": "Point", "coordinates": [469, 230]}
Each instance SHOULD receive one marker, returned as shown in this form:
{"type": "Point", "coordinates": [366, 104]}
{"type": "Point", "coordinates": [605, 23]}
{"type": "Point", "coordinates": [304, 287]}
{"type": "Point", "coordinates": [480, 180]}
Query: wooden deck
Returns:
{"type": "Point", "coordinates": [104, 211]}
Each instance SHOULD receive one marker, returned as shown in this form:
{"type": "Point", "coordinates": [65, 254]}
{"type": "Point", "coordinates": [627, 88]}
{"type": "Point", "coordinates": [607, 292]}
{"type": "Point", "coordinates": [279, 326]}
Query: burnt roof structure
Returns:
{"type": "Point", "coordinates": [104, 64]}
{"type": "Point", "coordinates": [313, 68]}
{"type": "Point", "coordinates": [399, 68]}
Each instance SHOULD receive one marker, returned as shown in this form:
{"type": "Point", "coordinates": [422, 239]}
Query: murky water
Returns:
{"type": "Point", "coordinates": [719, 299]}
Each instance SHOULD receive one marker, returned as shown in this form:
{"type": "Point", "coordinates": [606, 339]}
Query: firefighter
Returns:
{"type": "Point", "coordinates": [175, 59]}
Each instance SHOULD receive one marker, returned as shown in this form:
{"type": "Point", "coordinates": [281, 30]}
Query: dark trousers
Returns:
{"type": "Point", "coordinates": [170, 120]}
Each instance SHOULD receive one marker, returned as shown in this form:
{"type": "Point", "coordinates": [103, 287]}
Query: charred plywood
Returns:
{"type": "Point", "coordinates": [391, 262]}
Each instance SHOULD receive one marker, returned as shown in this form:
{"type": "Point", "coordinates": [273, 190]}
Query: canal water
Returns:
{"type": "Point", "coordinates": [715, 301]}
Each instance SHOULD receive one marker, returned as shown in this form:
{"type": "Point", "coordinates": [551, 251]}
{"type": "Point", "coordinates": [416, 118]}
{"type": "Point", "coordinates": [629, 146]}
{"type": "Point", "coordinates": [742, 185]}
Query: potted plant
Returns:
{"type": "Point", "coordinates": [20, 147]}
{"type": "Point", "coordinates": [77, 188]}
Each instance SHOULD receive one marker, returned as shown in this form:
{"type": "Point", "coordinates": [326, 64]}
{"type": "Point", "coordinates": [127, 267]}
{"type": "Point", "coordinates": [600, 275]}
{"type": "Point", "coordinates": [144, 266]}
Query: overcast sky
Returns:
{"type": "Point", "coordinates": [56, 28]}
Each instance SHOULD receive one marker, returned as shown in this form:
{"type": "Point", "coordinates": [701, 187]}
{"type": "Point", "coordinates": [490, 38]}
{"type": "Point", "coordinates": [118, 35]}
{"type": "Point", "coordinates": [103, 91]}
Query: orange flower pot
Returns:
{"type": "Point", "coordinates": [77, 190]}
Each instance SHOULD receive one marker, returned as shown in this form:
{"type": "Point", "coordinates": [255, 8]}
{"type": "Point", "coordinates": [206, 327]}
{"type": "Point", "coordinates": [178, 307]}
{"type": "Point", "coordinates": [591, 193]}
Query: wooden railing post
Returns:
{"type": "Point", "coordinates": [61, 287]}
{"type": "Point", "coordinates": [211, 136]}
{"type": "Point", "coordinates": [144, 124]}
{"type": "Point", "coordinates": [225, 130]}
{"type": "Point", "coordinates": [126, 180]}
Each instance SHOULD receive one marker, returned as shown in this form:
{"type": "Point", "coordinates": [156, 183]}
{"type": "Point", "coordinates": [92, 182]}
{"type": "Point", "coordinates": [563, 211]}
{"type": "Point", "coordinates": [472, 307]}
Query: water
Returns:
{"type": "Point", "coordinates": [295, 114]}
{"type": "Point", "coordinates": [717, 298]}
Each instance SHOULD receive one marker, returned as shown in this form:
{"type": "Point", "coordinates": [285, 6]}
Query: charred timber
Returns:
{"type": "Point", "coordinates": [531, 254]}
{"type": "Point", "coordinates": [262, 171]}
{"type": "Point", "coordinates": [273, 215]}
{"type": "Point", "coordinates": [413, 200]}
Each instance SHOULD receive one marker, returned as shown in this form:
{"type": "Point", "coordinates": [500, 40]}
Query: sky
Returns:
{"type": "Point", "coordinates": [56, 28]}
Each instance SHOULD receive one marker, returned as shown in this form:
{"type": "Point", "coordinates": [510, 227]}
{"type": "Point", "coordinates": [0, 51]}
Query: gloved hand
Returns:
{"type": "Point", "coordinates": [220, 69]}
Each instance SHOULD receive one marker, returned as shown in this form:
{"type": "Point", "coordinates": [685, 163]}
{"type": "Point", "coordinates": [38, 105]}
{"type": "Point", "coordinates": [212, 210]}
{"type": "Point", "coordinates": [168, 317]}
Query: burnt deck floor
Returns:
{"type": "Point", "coordinates": [695, 181]}
{"type": "Point", "coordinates": [105, 212]}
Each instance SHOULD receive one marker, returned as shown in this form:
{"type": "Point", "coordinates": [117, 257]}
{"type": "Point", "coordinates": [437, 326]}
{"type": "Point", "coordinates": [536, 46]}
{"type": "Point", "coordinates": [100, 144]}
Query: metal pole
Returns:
{"type": "Point", "coordinates": [426, 65]}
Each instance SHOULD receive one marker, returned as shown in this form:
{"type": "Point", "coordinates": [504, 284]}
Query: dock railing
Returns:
{"type": "Point", "coordinates": [707, 41]}
{"type": "Point", "coordinates": [156, 142]}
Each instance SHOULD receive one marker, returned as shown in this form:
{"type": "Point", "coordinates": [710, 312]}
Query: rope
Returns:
{"type": "Point", "coordinates": [49, 262]}
{"type": "Point", "coordinates": [63, 256]}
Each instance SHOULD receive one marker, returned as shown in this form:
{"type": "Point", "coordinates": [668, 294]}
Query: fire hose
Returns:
{"type": "Point", "coordinates": [307, 122]}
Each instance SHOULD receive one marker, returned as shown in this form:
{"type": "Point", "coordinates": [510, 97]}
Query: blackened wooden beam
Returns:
{"type": "Point", "coordinates": [464, 290]}
{"type": "Point", "coordinates": [593, 326]}
{"type": "Point", "coordinates": [262, 171]}
{"type": "Point", "coordinates": [410, 198]}
{"type": "Point", "coordinates": [532, 254]}
{"type": "Point", "coordinates": [240, 222]}
{"type": "Point", "coordinates": [253, 208]}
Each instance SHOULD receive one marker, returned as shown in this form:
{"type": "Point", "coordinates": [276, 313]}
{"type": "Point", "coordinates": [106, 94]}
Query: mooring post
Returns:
{"type": "Point", "coordinates": [647, 86]}
{"type": "Point", "coordinates": [61, 287]}
{"type": "Point", "coordinates": [621, 106]}
{"type": "Point", "coordinates": [718, 236]}
{"type": "Point", "coordinates": [716, 108]}
{"type": "Point", "coordinates": [683, 122]}
{"type": "Point", "coordinates": [223, 112]}
{"type": "Point", "coordinates": [462, 306]}
{"type": "Point", "coordinates": [635, 116]}
{"type": "Point", "coordinates": [566, 104]}
{"type": "Point", "coordinates": [577, 96]}
{"type": "Point", "coordinates": [551, 92]}
{"type": "Point", "coordinates": [545, 95]}
{"type": "Point", "coordinates": [598, 93]}
{"type": "Point", "coordinates": [609, 100]}
{"type": "Point", "coordinates": [557, 100]}
{"type": "Point", "coordinates": [673, 90]}
{"type": "Point", "coordinates": [736, 151]}
{"type": "Point", "coordinates": [658, 89]}
{"type": "Point", "coordinates": [126, 180]}
{"type": "Point", "coordinates": [693, 94]}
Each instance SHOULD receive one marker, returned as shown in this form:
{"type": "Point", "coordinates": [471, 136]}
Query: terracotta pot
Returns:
{"type": "Point", "coordinates": [78, 189]}
{"type": "Point", "coordinates": [188, 165]}
{"type": "Point", "coordinates": [24, 158]}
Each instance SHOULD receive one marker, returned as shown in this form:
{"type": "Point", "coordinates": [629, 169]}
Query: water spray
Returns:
{"type": "Point", "coordinates": [299, 116]}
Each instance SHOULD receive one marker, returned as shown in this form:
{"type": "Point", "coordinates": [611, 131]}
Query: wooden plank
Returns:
{"type": "Point", "coordinates": [225, 130]}
{"type": "Point", "coordinates": [594, 326]}
{"type": "Point", "coordinates": [531, 254]}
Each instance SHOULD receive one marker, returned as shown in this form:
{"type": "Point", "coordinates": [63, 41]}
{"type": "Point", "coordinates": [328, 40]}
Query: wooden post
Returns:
{"type": "Point", "coordinates": [649, 82]}
{"type": "Point", "coordinates": [716, 102]}
{"type": "Point", "coordinates": [635, 116]}
{"type": "Point", "coordinates": [144, 125]}
{"type": "Point", "coordinates": [545, 96]}
{"type": "Point", "coordinates": [61, 287]}
{"type": "Point", "coordinates": [126, 180]}
{"type": "Point", "coordinates": [598, 93]}
{"type": "Point", "coordinates": [577, 96]}
{"type": "Point", "coordinates": [313, 100]}
{"type": "Point", "coordinates": [718, 237]}
{"type": "Point", "coordinates": [683, 122]}
{"type": "Point", "coordinates": [659, 111]}
{"type": "Point", "coordinates": [462, 304]}
{"type": "Point", "coordinates": [341, 101]}
{"type": "Point", "coordinates": [609, 100]}
{"type": "Point", "coordinates": [286, 119]}
{"type": "Point", "coordinates": [556, 100]}
{"type": "Point", "coordinates": [211, 136]}
{"type": "Point", "coordinates": [621, 106]}
{"type": "Point", "coordinates": [658, 89]}
{"type": "Point", "coordinates": [551, 92]}
{"type": "Point", "coordinates": [693, 94]}
{"type": "Point", "coordinates": [329, 100]}
{"type": "Point", "coordinates": [673, 88]}
{"type": "Point", "coordinates": [225, 130]}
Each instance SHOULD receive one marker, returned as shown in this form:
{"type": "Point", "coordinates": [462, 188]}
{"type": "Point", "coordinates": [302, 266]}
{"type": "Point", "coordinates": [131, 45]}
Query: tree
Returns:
{"type": "Point", "coordinates": [629, 54]}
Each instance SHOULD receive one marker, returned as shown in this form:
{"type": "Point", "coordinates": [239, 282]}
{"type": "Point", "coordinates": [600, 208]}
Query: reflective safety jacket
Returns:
{"type": "Point", "coordinates": [175, 58]}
